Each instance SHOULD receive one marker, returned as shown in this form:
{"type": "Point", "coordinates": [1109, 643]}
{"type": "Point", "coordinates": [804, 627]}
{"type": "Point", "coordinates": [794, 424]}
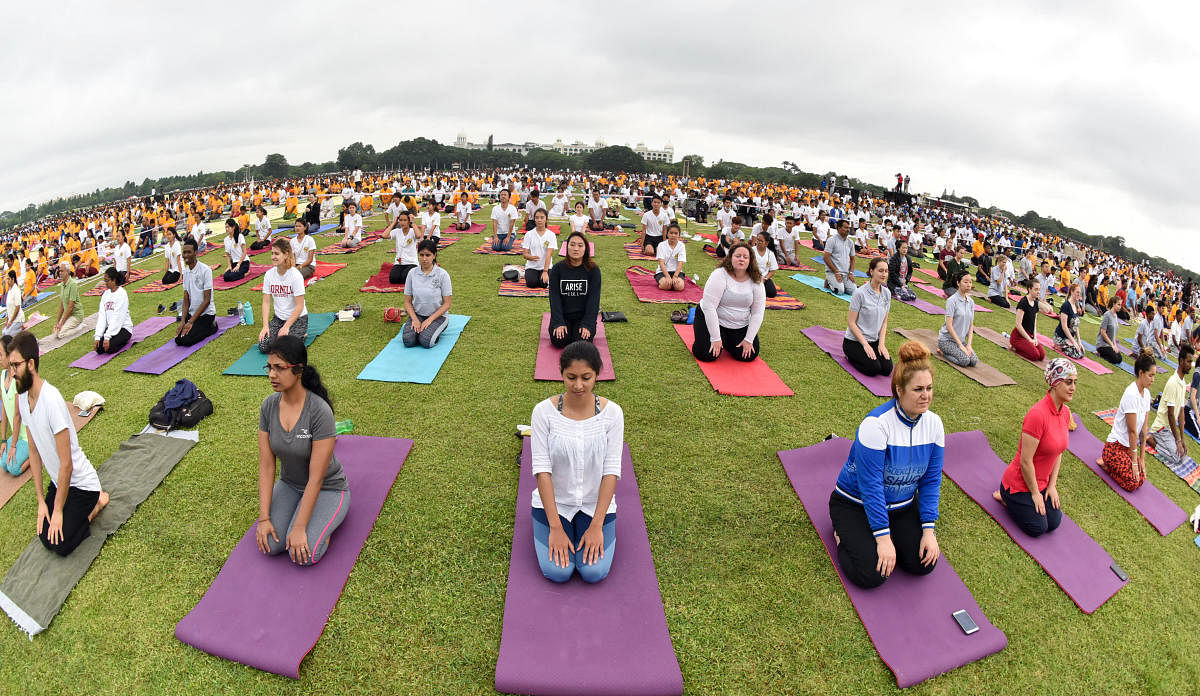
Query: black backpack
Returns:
{"type": "Point", "coordinates": [183, 406]}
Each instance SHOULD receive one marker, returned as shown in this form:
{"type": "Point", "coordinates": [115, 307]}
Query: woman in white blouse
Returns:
{"type": "Point", "coordinates": [764, 258]}
{"type": "Point", "coordinates": [304, 250]}
{"type": "Point", "coordinates": [576, 441]}
{"type": "Point", "coordinates": [283, 298]}
{"type": "Point", "coordinates": [580, 219]}
{"type": "Point", "coordinates": [431, 222]}
{"type": "Point", "coordinates": [114, 327]}
{"type": "Point", "coordinates": [405, 259]}
{"type": "Point", "coordinates": [235, 252]}
{"type": "Point", "coordinates": [172, 253]}
{"type": "Point", "coordinates": [733, 303]}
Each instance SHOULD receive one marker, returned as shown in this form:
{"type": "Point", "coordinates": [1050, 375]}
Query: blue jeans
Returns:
{"type": "Point", "coordinates": [503, 242]}
{"type": "Point", "coordinates": [574, 528]}
{"type": "Point", "coordinates": [22, 454]}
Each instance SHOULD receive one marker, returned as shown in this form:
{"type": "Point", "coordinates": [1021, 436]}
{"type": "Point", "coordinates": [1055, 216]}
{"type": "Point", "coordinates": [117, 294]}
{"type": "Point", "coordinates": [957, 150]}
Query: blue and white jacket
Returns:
{"type": "Point", "coordinates": [894, 461]}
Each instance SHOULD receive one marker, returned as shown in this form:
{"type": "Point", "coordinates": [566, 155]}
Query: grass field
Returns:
{"type": "Point", "coordinates": [751, 599]}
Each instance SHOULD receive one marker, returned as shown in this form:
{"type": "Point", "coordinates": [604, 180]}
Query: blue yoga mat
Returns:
{"type": "Point", "coordinates": [1198, 541]}
{"type": "Point", "coordinates": [821, 260]}
{"type": "Point", "coordinates": [1167, 360]}
{"type": "Point", "coordinates": [817, 283]}
{"type": "Point", "coordinates": [1124, 365]}
{"type": "Point", "coordinates": [252, 362]}
{"type": "Point", "coordinates": [396, 363]}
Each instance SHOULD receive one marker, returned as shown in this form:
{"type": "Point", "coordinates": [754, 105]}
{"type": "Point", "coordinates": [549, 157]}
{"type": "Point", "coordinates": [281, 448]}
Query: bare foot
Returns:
{"type": "Point", "coordinates": [837, 540]}
{"type": "Point", "coordinates": [99, 505]}
{"type": "Point", "coordinates": [997, 497]}
{"type": "Point", "coordinates": [1100, 461]}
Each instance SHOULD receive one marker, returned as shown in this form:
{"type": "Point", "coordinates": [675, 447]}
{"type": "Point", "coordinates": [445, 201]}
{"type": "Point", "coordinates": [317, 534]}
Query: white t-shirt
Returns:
{"type": "Point", "coordinates": [655, 224]}
{"type": "Point", "coordinates": [821, 230]}
{"type": "Point", "coordinates": [284, 289]}
{"type": "Point", "coordinates": [406, 245]}
{"type": "Point", "coordinates": [1131, 402]}
{"type": "Point", "coordinates": [12, 302]}
{"type": "Point", "coordinates": [542, 247]}
{"type": "Point", "coordinates": [463, 210]}
{"type": "Point", "coordinates": [121, 257]}
{"type": "Point", "coordinates": [596, 209]}
{"type": "Point", "coordinates": [199, 231]}
{"type": "Point", "coordinates": [353, 226]}
{"type": "Point", "coordinates": [173, 251]}
{"type": "Point", "coordinates": [236, 250]}
{"type": "Point", "coordinates": [394, 208]}
{"type": "Point", "coordinates": [262, 228]}
{"type": "Point", "coordinates": [432, 222]}
{"type": "Point", "coordinates": [49, 418]}
{"type": "Point", "coordinates": [114, 314]}
{"type": "Point", "coordinates": [303, 249]}
{"type": "Point", "coordinates": [504, 217]}
{"type": "Point", "coordinates": [670, 256]}
{"type": "Point", "coordinates": [766, 262]}
{"type": "Point", "coordinates": [725, 218]}
{"type": "Point", "coordinates": [579, 222]}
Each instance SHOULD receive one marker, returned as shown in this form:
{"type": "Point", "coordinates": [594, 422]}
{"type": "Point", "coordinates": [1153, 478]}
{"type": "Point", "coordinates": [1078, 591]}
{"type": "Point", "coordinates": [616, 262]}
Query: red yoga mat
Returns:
{"type": "Point", "coordinates": [219, 282]}
{"type": "Point", "coordinates": [546, 367]}
{"type": "Point", "coordinates": [380, 283]}
{"type": "Point", "coordinates": [736, 378]}
{"type": "Point", "coordinates": [647, 290]}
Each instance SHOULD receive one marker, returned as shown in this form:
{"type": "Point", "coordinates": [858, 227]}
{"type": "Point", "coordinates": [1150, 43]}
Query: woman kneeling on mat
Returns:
{"type": "Point", "coordinates": [296, 426]}
{"type": "Point", "coordinates": [539, 244]}
{"type": "Point", "coordinates": [172, 256]}
{"type": "Point", "coordinates": [283, 297]}
{"type": "Point", "coordinates": [1029, 487]}
{"type": "Point", "coordinates": [235, 252]}
{"type": "Point", "coordinates": [670, 258]}
{"type": "Point", "coordinates": [14, 448]}
{"type": "Point", "coordinates": [576, 442]}
{"type": "Point", "coordinates": [1124, 456]}
{"type": "Point", "coordinates": [427, 297]}
{"type": "Point", "coordinates": [114, 327]}
{"type": "Point", "coordinates": [1024, 340]}
{"type": "Point", "coordinates": [406, 238]}
{"type": "Point", "coordinates": [956, 335]}
{"type": "Point", "coordinates": [574, 294]}
{"type": "Point", "coordinates": [733, 303]}
{"type": "Point", "coordinates": [764, 258]}
{"type": "Point", "coordinates": [867, 323]}
{"type": "Point", "coordinates": [1106, 337]}
{"type": "Point", "coordinates": [304, 250]}
{"type": "Point", "coordinates": [885, 503]}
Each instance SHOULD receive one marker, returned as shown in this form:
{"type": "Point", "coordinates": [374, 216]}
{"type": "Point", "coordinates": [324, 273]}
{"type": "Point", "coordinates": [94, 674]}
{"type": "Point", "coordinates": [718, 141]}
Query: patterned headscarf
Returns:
{"type": "Point", "coordinates": [1059, 369]}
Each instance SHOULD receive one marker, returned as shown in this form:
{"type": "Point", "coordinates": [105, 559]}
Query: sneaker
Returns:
{"type": "Point", "coordinates": [161, 309]}
{"type": "Point", "coordinates": [175, 306]}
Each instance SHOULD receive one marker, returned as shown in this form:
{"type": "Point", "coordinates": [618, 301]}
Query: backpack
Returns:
{"type": "Point", "coordinates": [183, 406]}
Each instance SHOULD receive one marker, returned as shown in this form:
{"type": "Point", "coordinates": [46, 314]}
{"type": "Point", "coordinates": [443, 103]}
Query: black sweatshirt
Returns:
{"type": "Point", "coordinates": [574, 295]}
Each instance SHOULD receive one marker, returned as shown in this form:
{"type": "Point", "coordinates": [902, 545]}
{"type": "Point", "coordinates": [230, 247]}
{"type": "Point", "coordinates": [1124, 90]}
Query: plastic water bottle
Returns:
{"type": "Point", "coordinates": [241, 313]}
{"type": "Point", "coordinates": [248, 314]}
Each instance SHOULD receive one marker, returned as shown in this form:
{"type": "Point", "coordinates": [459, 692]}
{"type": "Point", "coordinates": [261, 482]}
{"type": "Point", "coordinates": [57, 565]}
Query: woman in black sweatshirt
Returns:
{"type": "Point", "coordinates": [574, 294]}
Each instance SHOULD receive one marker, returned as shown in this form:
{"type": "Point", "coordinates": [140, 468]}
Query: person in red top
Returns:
{"type": "Point", "coordinates": [1029, 487]}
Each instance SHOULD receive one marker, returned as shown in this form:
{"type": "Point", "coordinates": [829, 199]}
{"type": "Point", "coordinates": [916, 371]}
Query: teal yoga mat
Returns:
{"type": "Point", "coordinates": [817, 283]}
{"type": "Point", "coordinates": [252, 362]}
{"type": "Point", "coordinates": [395, 363]}
{"type": "Point", "coordinates": [821, 262]}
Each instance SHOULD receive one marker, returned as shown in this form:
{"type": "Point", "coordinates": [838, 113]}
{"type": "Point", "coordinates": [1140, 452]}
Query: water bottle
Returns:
{"type": "Point", "coordinates": [249, 314]}
{"type": "Point", "coordinates": [241, 307]}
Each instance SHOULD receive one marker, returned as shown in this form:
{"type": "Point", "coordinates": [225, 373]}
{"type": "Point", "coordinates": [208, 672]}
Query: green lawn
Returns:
{"type": "Point", "coordinates": [751, 599]}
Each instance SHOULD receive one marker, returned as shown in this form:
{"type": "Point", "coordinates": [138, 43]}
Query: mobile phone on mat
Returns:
{"type": "Point", "coordinates": [965, 622]}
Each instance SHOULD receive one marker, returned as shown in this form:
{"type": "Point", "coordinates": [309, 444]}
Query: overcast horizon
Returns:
{"type": "Point", "coordinates": [1080, 115]}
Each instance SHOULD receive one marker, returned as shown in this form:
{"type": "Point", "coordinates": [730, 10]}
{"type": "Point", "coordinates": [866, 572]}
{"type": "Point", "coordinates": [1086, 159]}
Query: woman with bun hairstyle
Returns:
{"type": "Point", "coordinates": [885, 503]}
{"type": "Point", "coordinates": [867, 322]}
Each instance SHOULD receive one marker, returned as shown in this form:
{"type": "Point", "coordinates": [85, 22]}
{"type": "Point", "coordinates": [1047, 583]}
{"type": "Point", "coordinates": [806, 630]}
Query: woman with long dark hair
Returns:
{"type": "Point", "coordinates": [235, 252]}
{"type": "Point", "coordinates": [574, 294]}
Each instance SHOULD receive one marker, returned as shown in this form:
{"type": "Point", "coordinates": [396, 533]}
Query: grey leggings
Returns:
{"type": "Point", "coordinates": [951, 352]}
{"type": "Point", "coordinates": [299, 330]}
{"type": "Point", "coordinates": [327, 515]}
{"type": "Point", "coordinates": [428, 336]}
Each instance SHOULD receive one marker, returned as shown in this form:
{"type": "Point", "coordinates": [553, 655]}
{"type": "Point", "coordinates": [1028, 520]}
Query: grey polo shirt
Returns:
{"type": "Point", "coordinates": [840, 250]}
{"type": "Point", "coordinates": [872, 308]}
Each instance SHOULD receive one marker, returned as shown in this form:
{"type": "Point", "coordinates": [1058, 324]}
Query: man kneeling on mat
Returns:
{"type": "Point", "coordinates": [296, 426]}
{"type": "Point", "coordinates": [73, 495]}
{"type": "Point", "coordinates": [574, 294]}
{"type": "Point", "coordinates": [198, 317]}
{"type": "Point", "coordinates": [576, 443]}
{"type": "Point", "coordinates": [885, 503]}
{"type": "Point", "coordinates": [427, 298]}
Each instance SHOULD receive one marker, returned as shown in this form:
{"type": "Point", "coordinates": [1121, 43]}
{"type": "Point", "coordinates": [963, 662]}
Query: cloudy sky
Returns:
{"type": "Point", "coordinates": [1086, 112]}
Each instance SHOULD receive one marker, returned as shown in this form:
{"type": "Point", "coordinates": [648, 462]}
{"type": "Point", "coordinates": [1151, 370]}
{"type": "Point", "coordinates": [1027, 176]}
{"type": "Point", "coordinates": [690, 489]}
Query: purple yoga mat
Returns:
{"type": "Point", "coordinates": [626, 648]}
{"type": "Point", "coordinates": [927, 307]}
{"type": "Point", "coordinates": [1068, 555]}
{"type": "Point", "coordinates": [266, 612]}
{"type": "Point", "coordinates": [830, 341]}
{"type": "Point", "coordinates": [546, 366]}
{"type": "Point", "coordinates": [169, 354]}
{"type": "Point", "coordinates": [1160, 511]}
{"type": "Point", "coordinates": [91, 360]}
{"type": "Point", "coordinates": [909, 618]}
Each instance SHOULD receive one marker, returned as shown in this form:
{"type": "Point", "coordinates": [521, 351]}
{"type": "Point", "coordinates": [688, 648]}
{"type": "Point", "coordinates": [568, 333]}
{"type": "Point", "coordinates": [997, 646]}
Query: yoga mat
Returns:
{"type": "Point", "coordinates": [646, 289]}
{"type": "Point", "coordinates": [169, 354]}
{"type": "Point", "coordinates": [49, 343]}
{"type": "Point", "coordinates": [485, 247]}
{"type": "Point", "coordinates": [475, 228]}
{"type": "Point", "coordinates": [818, 283]}
{"type": "Point", "coordinates": [133, 276]}
{"type": "Point", "coordinates": [627, 647]}
{"type": "Point", "coordinates": [830, 341]}
{"type": "Point", "coordinates": [268, 613]}
{"type": "Point", "coordinates": [517, 288]}
{"type": "Point", "coordinates": [322, 270]}
{"type": "Point", "coordinates": [998, 338]}
{"type": "Point", "coordinates": [927, 307]}
{"type": "Point", "coordinates": [1133, 347]}
{"type": "Point", "coordinates": [337, 248]}
{"type": "Point", "coordinates": [822, 268]}
{"type": "Point", "coordinates": [1160, 511]}
{"type": "Point", "coordinates": [909, 619]}
{"type": "Point", "coordinates": [141, 331]}
{"type": "Point", "coordinates": [982, 372]}
{"type": "Point", "coordinates": [634, 251]}
{"type": "Point", "coordinates": [562, 249]}
{"type": "Point", "coordinates": [33, 320]}
{"type": "Point", "coordinates": [256, 270]}
{"type": "Point", "coordinates": [10, 484]}
{"type": "Point", "coordinates": [380, 283]}
{"type": "Point", "coordinates": [37, 585]}
{"type": "Point", "coordinates": [1085, 361]}
{"type": "Point", "coordinates": [607, 232]}
{"type": "Point", "coordinates": [396, 363]}
{"type": "Point", "coordinates": [938, 292]}
{"type": "Point", "coordinates": [733, 377]}
{"type": "Point", "coordinates": [252, 362]}
{"type": "Point", "coordinates": [545, 367]}
{"type": "Point", "coordinates": [1068, 555]}
{"type": "Point", "coordinates": [783, 300]}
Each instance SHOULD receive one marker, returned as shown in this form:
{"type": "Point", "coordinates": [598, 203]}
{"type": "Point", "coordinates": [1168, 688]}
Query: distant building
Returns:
{"type": "Point", "coordinates": [667, 154]}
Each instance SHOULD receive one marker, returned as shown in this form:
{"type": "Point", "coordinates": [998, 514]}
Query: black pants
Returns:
{"type": "Point", "coordinates": [237, 274]}
{"type": "Point", "coordinates": [1109, 354]}
{"type": "Point", "coordinates": [533, 278]}
{"type": "Point", "coordinates": [115, 343]}
{"type": "Point", "coordinates": [818, 245]}
{"type": "Point", "coordinates": [170, 278]}
{"type": "Point", "coordinates": [722, 249]}
{"type": "Point", "coordinates": [573, 325]}
{"type": "Point", "coordinates": [769, 287]}
{"type": "Point", "coordinates": [260, 244]}
{"type": "Point", "coordinates": [75, 524]}
{"type": "Point", "coordinates": [1122, 315]}
{"type": "Point", "coordinates": [122, 277]}
{"type": "Point", "coordinates": [399, 273]}
{"type": "Point", "coordinates": [858, 358]}
{"type": "Point", "coordinates": [856, 553]}
{"type": "Point", "coordinates": [202, 328]}
{"type": "Point", "coordinates": [999, 301]}
{"type": "Point", "coordinates": [730, 338]}
{"type": "Point", "coordinates": [1020, 509]}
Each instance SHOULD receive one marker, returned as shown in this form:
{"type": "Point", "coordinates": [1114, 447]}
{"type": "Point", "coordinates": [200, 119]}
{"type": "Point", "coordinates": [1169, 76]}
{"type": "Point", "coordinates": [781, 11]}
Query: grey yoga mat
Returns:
{"type": "Point", "coordinates": [37, 585]}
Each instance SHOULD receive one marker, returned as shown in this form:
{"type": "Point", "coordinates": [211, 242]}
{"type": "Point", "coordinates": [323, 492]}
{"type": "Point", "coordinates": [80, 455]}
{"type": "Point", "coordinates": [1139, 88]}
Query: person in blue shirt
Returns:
{"type": "Point", "coordinates": [885, 504]}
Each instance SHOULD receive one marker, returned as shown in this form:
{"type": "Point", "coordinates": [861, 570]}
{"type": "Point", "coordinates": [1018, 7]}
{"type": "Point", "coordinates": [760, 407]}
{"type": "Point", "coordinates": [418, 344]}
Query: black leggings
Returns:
{"type": "Point", "coordinates": [260, 244]}
{"type": "Point", "coordinates": [399, 273]}
{"type": "Point", "coordinates": [115, 343]}
{"type": "Point", "coordinates": [730, 338]}
{"type": "Point", "coordinates": [1109, 354]}
{"type": "Point", "coordinates": [202, 328]}
{"type": "Point", "coordinates": [856, 553]}
{"type": "Point", "coordinates": [170, 278]}
{"type": "Point", "coordinates": [75, 524]}
{"type": "Point", "coordinates": [243, 268]}
{"type": "Point", "coordinates": [769, 287]}
{"type": "Point", "coordinates": [573, 325]}
{"type": "Point", "coordinates": [858, 358]}
{"type": "Point", "coordinates": [533, 278]}
{"type": "Point", "coordinates": [999, 301]}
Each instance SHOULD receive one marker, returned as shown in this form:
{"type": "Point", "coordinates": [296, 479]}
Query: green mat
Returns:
{"type": "Point", "coordinates": [252, 363]}
{"type": "Point", "coordinates": [37, 585]}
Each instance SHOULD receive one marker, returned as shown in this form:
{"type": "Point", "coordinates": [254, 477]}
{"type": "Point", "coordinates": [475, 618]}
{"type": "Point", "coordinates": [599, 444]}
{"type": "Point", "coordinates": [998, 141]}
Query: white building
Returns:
{"type": "Point", "coordinates": [667, 154]}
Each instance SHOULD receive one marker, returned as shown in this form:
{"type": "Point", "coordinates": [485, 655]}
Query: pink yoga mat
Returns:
{"type": "Point", "coordinates": [627, 648]}
{"type": "Point", "coordinates": [909, 619]}
{"type": "Point", "coordinates": [830, 341]}
{"type": "Point", "coordinates": [924, 306]}
{"type": "Point", "coordinates": [734, 377]}
{"type": "Point", "coordinates": [170, 354]}
{"type": "Point", "coordinates": [1087, 362]}
{"type": "Point", "coordinates": [91, 360]}
{"type": "Point", "coordinates": [562, 249]}
{"type": "Point", "coordinates": [646, 288]}
{"type": "Point", "coordinates": [546, 366]}
{"type": "Point", "coordinates": [1068, 555]}
{"type": "Point", "coordinates": [219, 282]}
{"type": "Point", "coordinates": [268, 613]}
{"type": "Point", "coordinates": [1160, 511]}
